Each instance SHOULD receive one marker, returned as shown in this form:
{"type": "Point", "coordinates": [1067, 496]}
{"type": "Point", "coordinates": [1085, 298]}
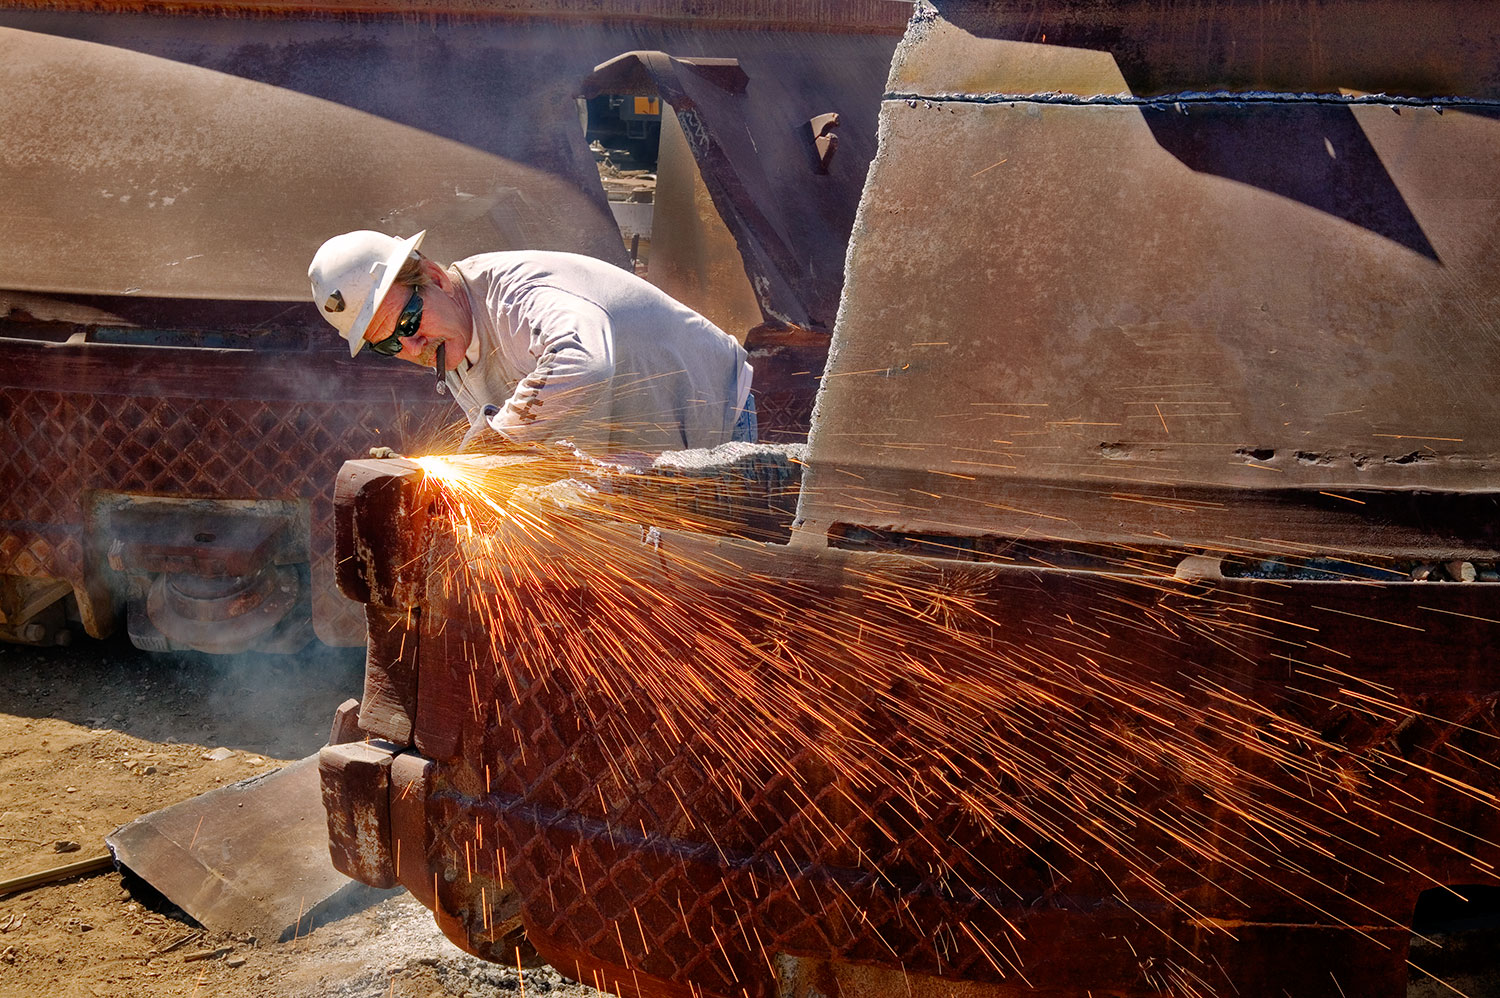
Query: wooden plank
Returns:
{"type": "Point", "coordinates": [80, 868]}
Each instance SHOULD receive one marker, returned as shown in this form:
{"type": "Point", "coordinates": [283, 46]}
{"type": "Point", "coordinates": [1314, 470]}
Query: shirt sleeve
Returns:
{"type": "Point", "coordinates": [567, 392]}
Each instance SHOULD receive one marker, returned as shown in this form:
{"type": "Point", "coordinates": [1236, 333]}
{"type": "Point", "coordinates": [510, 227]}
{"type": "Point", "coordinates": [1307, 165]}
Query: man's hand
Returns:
{"type": "Point", "coordinates": [382, 452]}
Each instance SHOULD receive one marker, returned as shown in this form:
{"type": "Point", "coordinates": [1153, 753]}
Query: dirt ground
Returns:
{"type": "Point", "coordinates": [96, 734]}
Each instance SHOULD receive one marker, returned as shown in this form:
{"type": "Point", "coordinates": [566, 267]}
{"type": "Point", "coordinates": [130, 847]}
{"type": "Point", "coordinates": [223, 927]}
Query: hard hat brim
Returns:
{"type": "Point", "coordinates": [391, 267]}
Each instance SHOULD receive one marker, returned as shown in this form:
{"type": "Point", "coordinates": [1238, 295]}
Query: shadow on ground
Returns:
{"type": "Point", "coordinates": [274, 705]}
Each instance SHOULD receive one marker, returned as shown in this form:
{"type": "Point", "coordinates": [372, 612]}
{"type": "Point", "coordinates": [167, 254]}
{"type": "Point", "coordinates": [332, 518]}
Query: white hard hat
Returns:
{"type": "Point", "coordinates": [351, 275]}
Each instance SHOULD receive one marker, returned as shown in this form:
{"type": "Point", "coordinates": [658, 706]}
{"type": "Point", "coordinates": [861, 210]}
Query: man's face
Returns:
{"type": "Point", "coordinates": [441, 322]}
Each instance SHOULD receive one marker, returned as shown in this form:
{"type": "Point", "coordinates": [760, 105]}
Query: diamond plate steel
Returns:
{"type": "Point", "coordinates": [650, 857]}
{"type": "Point", "coordinates": [63, 445]}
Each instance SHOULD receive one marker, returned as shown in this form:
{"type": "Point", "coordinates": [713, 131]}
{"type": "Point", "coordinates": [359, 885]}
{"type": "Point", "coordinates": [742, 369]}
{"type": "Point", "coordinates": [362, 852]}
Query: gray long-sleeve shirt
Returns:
{"type": "Point", "coordinates": [571, 347]}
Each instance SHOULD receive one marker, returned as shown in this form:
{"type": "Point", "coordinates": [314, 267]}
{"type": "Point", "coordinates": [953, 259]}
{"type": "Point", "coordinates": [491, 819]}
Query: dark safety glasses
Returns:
{"type": "Point", "coordinates": [407, 324]}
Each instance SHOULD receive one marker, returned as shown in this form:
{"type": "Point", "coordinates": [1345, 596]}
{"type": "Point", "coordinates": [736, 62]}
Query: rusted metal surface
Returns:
{"type": "Point", "coordinates": [93, 421]}
{"type": "Point", "coordinates": [1204, 317]}
{"type": "Point", "coordinates": [156, 539]}
{"type": "Point", "coordinates": [693, 256]}
{"type": "Point", "coordinates": [171, 175]}
{"type": "Point", "coordinates": [858, 16]}
{"type": "Point", "coordinates": [788, 366]}
{"type": "Point", "coordinates": [345, 727]}
{"type": "Point", "coordinates": [248, 858]}
{"type": "Point", "coordinates": [356, 782]}
{"type": "Point", "coordinates": [211, 578]}
{"type": "Point", "coordinates": [1440, 48]}
{"type": "Point", "coordinates": [789, 219]}
{"type": "Point", "coordinates": [33, 610]}
{"type": "Point", "coordinates": [794, 860]}
{"type": "Point", "coordinates": [806, 977]}
{"type": "Point", "coordinates": [502, 167]}
{"type": "Point", "coordinates": [226, 615]}
{"type": "Point", "coordinates": [1135, 437]}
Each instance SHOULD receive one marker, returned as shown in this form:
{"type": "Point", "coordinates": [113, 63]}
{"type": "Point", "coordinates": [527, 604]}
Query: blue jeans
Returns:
{"type": "Point", "coordinates": [745, 428]}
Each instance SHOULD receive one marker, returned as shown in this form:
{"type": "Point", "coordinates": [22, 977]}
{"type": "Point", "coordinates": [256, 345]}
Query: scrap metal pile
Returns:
{"type": "Point", "coordinates": [1110, 648]}
{"type": "Point", "coordinates": [177, 410]}
{"type": "Point", "coordinates": [693, 762]}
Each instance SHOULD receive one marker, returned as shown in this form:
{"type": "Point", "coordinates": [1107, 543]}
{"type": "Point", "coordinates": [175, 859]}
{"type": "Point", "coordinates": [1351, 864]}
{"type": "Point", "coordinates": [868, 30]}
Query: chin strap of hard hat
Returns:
{"type": "Point", "coordinates": [441, 364]}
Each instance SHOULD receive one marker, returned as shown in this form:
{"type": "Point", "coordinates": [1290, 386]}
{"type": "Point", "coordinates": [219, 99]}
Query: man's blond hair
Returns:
{"type": "Point", "coordinates": [412, 274]}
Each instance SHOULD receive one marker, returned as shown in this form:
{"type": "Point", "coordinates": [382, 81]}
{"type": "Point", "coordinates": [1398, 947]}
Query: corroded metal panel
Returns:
{"type": "Point", "coordinates": [389, 702]}
{"type": "Point", "coordinates": [213, 163]}
{"type": "Point", "coordinates": [378, 495]}
{"type": "Point", "coordinates": [232, 860]}
{"type": "Point", "coordinates": [1215, 319]}
{"type": "Point", "coordinates": [788, 367]}
{"type": "Point", "coordinates": [956, 770]}
{"type": "Point", "coordinates": [1417, 48]}
{"type": "Point", "coordinates": [187, 423]}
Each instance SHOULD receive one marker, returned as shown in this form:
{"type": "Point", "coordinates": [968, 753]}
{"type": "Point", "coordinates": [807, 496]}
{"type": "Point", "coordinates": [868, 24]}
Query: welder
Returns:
{"type": "Point", "coordinates": [540, 347]}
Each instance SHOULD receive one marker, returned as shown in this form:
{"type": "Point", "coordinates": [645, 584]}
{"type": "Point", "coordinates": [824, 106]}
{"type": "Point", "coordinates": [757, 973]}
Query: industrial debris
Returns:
{"type": "Point", "coordinates": [247, 858]}
{"type": "Point", "coordinates": [176, 425]}
{"type": "Point", "coordinates": [1132, 594]}
{"type": "Point", "coordinates": [1092, 620]}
